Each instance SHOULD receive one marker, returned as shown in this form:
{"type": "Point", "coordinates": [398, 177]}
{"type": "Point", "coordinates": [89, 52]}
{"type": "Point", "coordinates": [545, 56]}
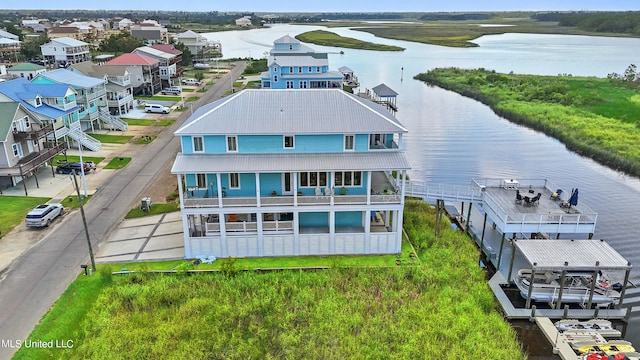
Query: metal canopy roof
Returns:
{"type": "Point", "coordinates": [279, 162]}
{"type": "Point", "coordinates": [580, 255]}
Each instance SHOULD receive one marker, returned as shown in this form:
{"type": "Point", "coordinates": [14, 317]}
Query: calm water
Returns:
{"type": "Point", "coordinates": [453, 139]}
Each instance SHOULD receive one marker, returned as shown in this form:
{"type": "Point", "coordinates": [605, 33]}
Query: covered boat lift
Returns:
{"type": "Point", "coordinates": [570, 255]}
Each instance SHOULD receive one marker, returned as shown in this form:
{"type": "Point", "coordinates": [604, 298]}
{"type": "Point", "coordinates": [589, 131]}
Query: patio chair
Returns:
{"type": "Point", "coordinates": [518, 197]}
{"type": "Point", "coordinates": [536, 199]}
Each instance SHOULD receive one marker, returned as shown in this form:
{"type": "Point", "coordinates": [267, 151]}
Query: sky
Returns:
{"type": "Point", "coordinates": [263, 6]}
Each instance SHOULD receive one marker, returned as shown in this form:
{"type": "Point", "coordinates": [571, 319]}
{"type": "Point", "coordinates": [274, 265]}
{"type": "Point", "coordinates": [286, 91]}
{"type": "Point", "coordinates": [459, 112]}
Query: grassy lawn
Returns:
{"type": "Point", "coordinates": [165, 122]}
{"type": "Point", "coordinates": [155, 209]}
{"type": "Point", "coordinates": [187, 90]}
{"type": "Point", "coordinates": [71, 201]}
{"type": "Point", "coordinates": [160, 98]}
{"type": "Point", "coordinates": [112, 139]}
{"type": "Point", "coordinates": [118, 163]}
{"type": "Point", "coordinates": [75, 158]}
{"type": "Point", "coordinates": [598, 118]}
{"type": "Point", "coordinates": [139, 122]}
{"type": "Point", "coordinates": [14, 210]}
{"type": "Point", "coordinates": [327, 38]}
{"type": "Point", "coordinates": [146, 139]}
{"type": "Point", "coordinates": [440, 305]}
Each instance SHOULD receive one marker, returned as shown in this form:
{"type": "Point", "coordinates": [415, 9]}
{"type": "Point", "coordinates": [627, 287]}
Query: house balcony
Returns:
{"type": "Point", "coordinates": [33, 134]}
{"type": "Point", "coordinates": [291, 200]}
{"type": "Point", "coordinates": [121, 100]}
{"type": "Point", "coordinates": [86, 97]}
{"type": "Point", "coordinates": [392, 145]}
{"type": "Point", "coordinates": [34, 160]}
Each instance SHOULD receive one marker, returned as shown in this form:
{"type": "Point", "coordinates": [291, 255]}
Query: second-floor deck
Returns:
{"type": "Point", "coordinates": [32, 161]}
{"type": "Point", "coordinates": [33, 134]}
{"type": "Point", "coordinates": [292, 200]}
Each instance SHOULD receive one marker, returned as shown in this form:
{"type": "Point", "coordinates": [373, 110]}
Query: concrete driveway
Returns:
{"type": "Point", "coordinates": [155, 237]}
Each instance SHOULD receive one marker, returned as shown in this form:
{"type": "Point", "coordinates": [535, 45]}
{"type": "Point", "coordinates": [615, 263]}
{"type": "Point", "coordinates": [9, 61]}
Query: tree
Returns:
{"type": "Point", "coordinates": [123, 42]}
{"type": "Point", "coordinates": [187, 57]}
{"type": "Point", "coordinates": [630, 74]}
{"type": "Point", "coordinates": [199, 75]}
{"type": "Point", "coordinates": [30, 49]}
{"type": "Point", "coordinates": [15, 31]}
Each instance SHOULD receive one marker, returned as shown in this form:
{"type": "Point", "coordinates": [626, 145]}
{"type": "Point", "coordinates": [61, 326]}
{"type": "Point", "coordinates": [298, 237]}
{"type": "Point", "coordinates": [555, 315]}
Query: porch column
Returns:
{"type": "Point", "coordinates": [369, 189]}
{"type": "Point", "coordinates": [260, 233]}
{"type": "Point", "coordinates": [332, 232]}
{"type": "Point", "coordinates": [296, 232]}
{"type": "Point", "coordinates": [403, 186]}
{"type": "Point", "coordinates": [398, 225]}
{"type": "Point", "coordinates": [180, 190]}
{"type": "Point", "coordinates": [223, 235]}
{"type": "Point", "coordinates": [219, 185]}
{"type": "Point", "coordinates": [387, 217]}
{"type": "Point", "coordinates": [258, 192]}
{"type": "Point", "coordinates": [295, 194]}
{"type": "Point", "coordinates": [187, 236]}
{"type": "Point", "coordinates": [332, 182]}
{"type": "Point", "coordinates": [367, 231]}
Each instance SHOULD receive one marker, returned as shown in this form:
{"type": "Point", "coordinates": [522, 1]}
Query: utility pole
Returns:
{"type": "Point", "coordinates": [84, 221]}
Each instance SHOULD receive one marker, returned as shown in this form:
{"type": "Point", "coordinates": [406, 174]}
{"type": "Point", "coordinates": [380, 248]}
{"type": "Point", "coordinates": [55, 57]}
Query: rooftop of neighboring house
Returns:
{"type": "Point", "coordinates": [154, 52]}
{"type": "Point", "coordinates": [26, 67]}
{"type": "Point", "coordinates": [64, 76]}
{"type": "Point", "coordinates": [66, 41]}
{"type": "Point", "coordinates": [168, 48]}
{"type": "Point", "coordinates": [299, 111]}
{"type": "Point", "coordinates": [99, 71]}
{"type": "Point", "coordinates": [8, 35]}
{"type": "Point", "coordinates": [7, 114]}
{"type": "Point", "coordinates": [64, 30]}
{"type": "Point", "coordinates": [21, 90]}
{"type": "Point", "coordinates": [132, 59]}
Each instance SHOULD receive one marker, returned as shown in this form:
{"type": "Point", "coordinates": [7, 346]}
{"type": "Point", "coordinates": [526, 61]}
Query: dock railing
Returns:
{"type": "Point", "coordinates": [444, 192]}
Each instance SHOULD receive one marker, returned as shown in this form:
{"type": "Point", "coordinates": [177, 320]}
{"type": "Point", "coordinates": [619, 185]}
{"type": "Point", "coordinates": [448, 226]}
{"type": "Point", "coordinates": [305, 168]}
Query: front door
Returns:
{"type": "Point", "coordinates": [287, 184]}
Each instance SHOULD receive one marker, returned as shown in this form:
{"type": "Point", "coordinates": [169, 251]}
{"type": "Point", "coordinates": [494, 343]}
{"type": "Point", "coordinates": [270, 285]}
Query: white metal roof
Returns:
{"type": "Point", "coordinates": [578, 255]}
{"type": "Point", "coordinates": [291, 111]}
{"type": "Point", "coordinates": [68, 41]}
{"type": "Point", "coordinates": [279, 162]}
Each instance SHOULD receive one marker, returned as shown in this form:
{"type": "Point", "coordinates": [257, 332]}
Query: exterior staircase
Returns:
{"type": "Point", "coordinates": [113, 121]}
{"type": "Point", "coordinates": [85, 140]}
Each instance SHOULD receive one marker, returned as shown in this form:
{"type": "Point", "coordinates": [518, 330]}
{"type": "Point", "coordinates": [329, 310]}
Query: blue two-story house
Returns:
{"type": "Point", "coordinates": [291, 172]}
{"type": "Point", "coordinates": [293, 65]}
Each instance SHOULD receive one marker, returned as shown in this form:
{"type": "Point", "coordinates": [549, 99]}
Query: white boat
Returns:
{"type": "Point", "coordinates": [577, 287]}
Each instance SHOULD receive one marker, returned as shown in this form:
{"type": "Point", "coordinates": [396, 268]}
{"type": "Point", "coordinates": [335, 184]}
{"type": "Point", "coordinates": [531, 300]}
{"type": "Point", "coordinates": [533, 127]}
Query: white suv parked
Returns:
{"type": "Point", "coordinates": [43, 215]}
{"type": "Point", "coordinates": [156, 108]}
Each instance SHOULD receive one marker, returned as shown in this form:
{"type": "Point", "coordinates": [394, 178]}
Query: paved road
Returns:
{"type": "Point", "coordinates": [39, 276]}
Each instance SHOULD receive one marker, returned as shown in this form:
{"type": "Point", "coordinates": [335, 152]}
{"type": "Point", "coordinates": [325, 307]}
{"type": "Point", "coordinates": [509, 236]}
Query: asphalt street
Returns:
{"type": "Point", "coordinates": [36, 279]}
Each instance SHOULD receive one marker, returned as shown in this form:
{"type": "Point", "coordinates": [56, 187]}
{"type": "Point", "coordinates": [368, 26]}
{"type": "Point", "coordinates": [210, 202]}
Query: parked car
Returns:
{"type": "Point", "coordinates": [191, 82]}
{"type": "Point", "coordinates": [43, 215]}
{"type": "Point", "coordinates": [155, 108]}
{"type": "Point", "coordinates": [171, 90]}
{"type": "Point", "coordinates": [75, 167]}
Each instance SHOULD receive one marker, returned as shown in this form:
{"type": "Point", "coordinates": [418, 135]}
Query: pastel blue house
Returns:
{"type": "Point", "coordinates": [293, 65]}
{"type": "Point", "coordinates": [291, 172]}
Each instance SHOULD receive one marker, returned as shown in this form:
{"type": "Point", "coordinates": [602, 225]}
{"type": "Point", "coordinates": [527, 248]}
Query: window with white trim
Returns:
{"type": "Point", "coordinates": [275, 69]}
{"type": "Point", "coordinates": [349, 142]}
{"type": "Point", "coordinates": [201, 181]}
{"type": "Point", "coordinates": [348, 178]}
{"type": "Point", "coordinates": [289, 142]}
{"type": "Point", "coordinates": [17, 150]}
{"type": "Point", "coordinates": [275, 78]}
{"type": "Point", "coordinates": [198, 144]}
{"type": "Point", "coordinates": [303, 84]}
{"type": "Point", "coordinates": [317, 68]}
{"type": "Point", "coordinates": [299, 69]}
{"type": "Point", "coordinates": [232, 143]}
{"type": "Point", "coordinates": [310, 69]}
{"type": "Point", "coordinates": [289, 84]}
{"type": "Point", "coordinates": [313, 179]}
{"type": "Point", "coordinates": [290, 69]}
{"type": "Point", "coordinates": [234, 181]}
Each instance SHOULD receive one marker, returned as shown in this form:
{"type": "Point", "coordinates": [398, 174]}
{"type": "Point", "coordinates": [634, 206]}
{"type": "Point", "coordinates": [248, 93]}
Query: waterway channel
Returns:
{"type": "Point", "coordinates": [453, 139]}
